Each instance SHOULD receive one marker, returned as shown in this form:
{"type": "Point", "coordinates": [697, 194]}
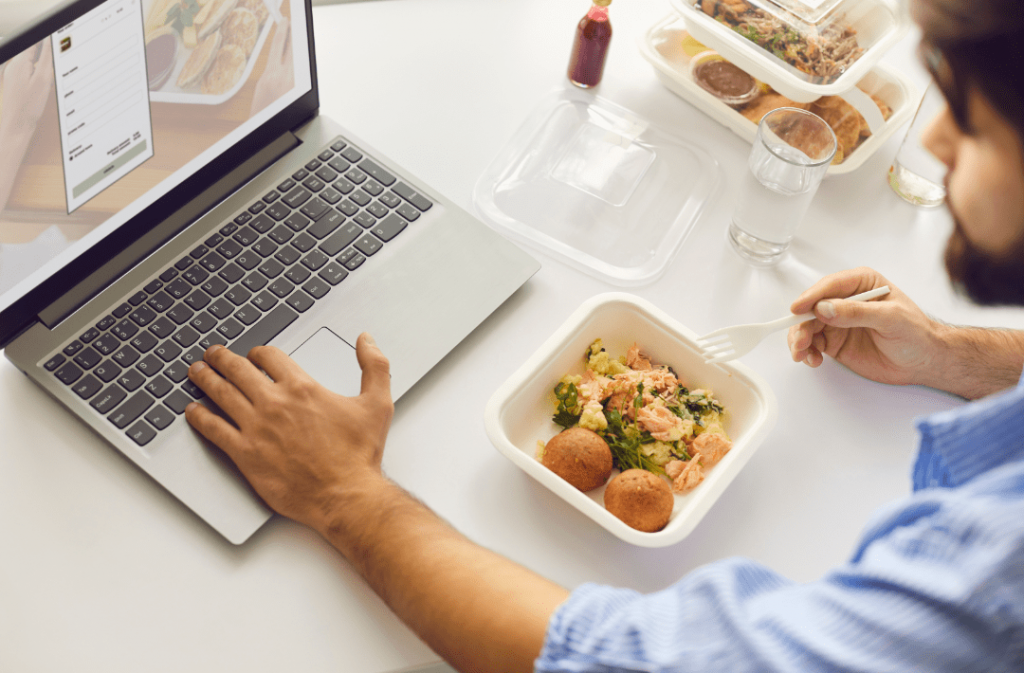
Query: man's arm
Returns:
{"type": "Point", "coordinates": [315, 457]}
{"type": "Point", "coordinates": [891, 340]}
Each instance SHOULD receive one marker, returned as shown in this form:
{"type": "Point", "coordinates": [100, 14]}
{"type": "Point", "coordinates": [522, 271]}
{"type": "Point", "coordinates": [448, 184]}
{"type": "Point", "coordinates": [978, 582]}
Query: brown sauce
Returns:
{"type": "Point", "coordinates": [160, 54]}
{"type": "Point", "coordinates": [724, 79]}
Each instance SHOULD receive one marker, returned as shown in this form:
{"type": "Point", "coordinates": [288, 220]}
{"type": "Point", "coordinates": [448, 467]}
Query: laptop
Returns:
{"type": "Point", "coordinates": [167, 183]}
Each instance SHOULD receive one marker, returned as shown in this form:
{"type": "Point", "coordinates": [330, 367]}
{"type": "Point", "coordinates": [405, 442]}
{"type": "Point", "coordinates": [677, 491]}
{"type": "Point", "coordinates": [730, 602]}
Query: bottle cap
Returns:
{"type": "Point", "coordinates": [602, 3]}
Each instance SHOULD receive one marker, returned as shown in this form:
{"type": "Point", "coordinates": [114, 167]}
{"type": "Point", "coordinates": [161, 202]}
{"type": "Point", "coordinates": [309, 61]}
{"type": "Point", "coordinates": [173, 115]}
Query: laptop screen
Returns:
{"type": "Point", "coordinates": [116, 108]}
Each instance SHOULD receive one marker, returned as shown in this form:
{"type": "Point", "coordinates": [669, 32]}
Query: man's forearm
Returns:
{"type": "Point", "coordinates": [978, 361]}
{"type": "Point", "coordinates": [475, 608]}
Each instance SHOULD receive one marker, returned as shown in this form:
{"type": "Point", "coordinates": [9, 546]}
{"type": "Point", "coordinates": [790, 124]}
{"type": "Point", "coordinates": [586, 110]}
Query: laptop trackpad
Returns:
{"type": "Point", "coordinates": [332, 361]}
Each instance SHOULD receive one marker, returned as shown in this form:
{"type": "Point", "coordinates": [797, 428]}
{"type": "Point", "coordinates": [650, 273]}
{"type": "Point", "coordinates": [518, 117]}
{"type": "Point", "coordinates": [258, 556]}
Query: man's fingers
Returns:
{"type": "Point", "coordinates": [376, 368]}
{"type": "Point", "coordinates": [214, 428]}
{"type": "Point", "coordinates": [238, 371]}
{"type": "Point", "coordinates": [276, 363]}
{"type": "Point", "coordinates": [842, 284]}
{"type": "Point", "coordinates": [224, 394]}
{"type": "Point", "coordinates": [843, 313]}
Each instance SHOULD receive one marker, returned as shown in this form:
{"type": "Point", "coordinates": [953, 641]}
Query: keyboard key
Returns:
{"type": "Point", "coordinates": [355, 261]}
{"type": "Point", "coordinates": [378, 173]}
{"type": "Point", "coordinates": [196, 275]}
{"type": "Point", "coordinates": [150, 365]}
{"type": "Point", "coordinates": [270, 197]}
{"type": "Point", "coordinates": [240, 220]}
{"type": "Point", "coordinates": [360, 197]}
{"type": "Point", "coordinates": [278, 211]}
{"type": "Point", "coordinates": [325, 155]}
{"type": "Point", "coordinates": [89, 335]}
{"type": "Point", "coordinates": [238, 295]}
{"type": "Point", "coordinates": [160, 417]}
{"type": "Point", "coordinates": [160, 302]}
{"type": "Point", "coordinates": [183, 263]}
{"type": "Point", "coordinates": [408, 212]}
{"type": "Point", "coordinates": [248, 260]}
{"type": "Point", "coordinates": [159, 386]}
{"type": "Point", "coordinates": [297, 197]}
{"type": "Point", "coordinates": [264, 330]}
{"type": "Point", "coordinates": [192, 389]}
{"type": "Point", "coordinates": [186, 336]}
{"type": "Point", "coordinates": [231, 227]}
{"type": "Point", "coordinates": [263, 224]}
{"type": "Point", "coordinates": [124, 330]}
{"type": "Point", "coordinates": [282, 287]}
{"type": "Point", "coordinates": [372, 188]}
{"type": "Point", "coordinates": [88, 358]}
{"type": "Point", "coordinates": [54, 362]}
{"type": "Point", "coordinates": [281, 234]}
{"type": "Point", "coordinates": [355, 175]}
{"type": "Point", "coordinates": [333, 273]}
{"type": "Point", "coordinates": [314, 260]}
{"type": "Point", "coordinates": [73, 348]}
{"type": "Point", "coordinates": [144, 342]}
{"type": "Point", "coordinates": [317, 288]}
{"type": "Point", "coordinates": [389, 227]}
{"type": "Point", "coordinates": [340, 240]}
{"type": "Point", "coordinates": [304, 242]}
{"type": "Point", "coordinates": [286, 186]}
{"type": "Point", "coordinates": [180, 314]}
{"type": "Point", "coordinates": [197, 300]}
{"type": "Point", "coordinates": [390, 199]}
{"type": "Point", "coordinates": [313, 165]}
{"type": "Point", "coordinates": [221, 308]}
{"type": "Point", "coordinates": [126, 356]}
{"type": "Point", "coordinates": [212, 262]}
{"type": "Point", "coordinates": [198, 252]}
{"type": "Point", "coordinates": [315, 209]}
{"type": "Point", "coordinates": [213, 241]}
{"type": "Point", "coordinates": [343, 186]}
{"type": "Point", "coordinates": [288, 255]}
{"type": "Point", "coordinates": [378, 209]}
{"type": "Point", "coordinates": [245, 236]}
{"type": "Point", "coordinates": [327, 174]}
{"type": "Point", "coordinates": [325, 225]}
{"type": "Point", "coordinates": [215, 286]}
{"type": "Point", "coordinates": [314, 184]}
{"type": "Point", "coordinates": [412, 196]}
{"type": "Point", "coordinates": [153, 286]}
{"type": "Point", "coordinates": [104, 325]}
{"type": "Point", "coordinates": [265, 247]}
{"type": "Point", "coordinates": [348, 207]}
{"type": "Point", "coordinates": [297, 221]}
{"type": "Point", "coordinates": [297, 274]}
{"type": "Point", "coordinates": [331, 195]}
{"type": "Point", "coordinates": [178, 288]}
{"type": "Point", "coordinates": [108, 399]}
{"type": "Point", "coordinates": [229, 248]}
{"type": "Point", "coordinates": [168, 275]}
{"type": "Point", "coordinates": [264, 301]}
{"type": "Point", "coordinates": [177, 401]}
{"type": "Point", "coordinates": [230, 328]}
{"type": "Point", "coordinates": [271, 268]}
{"type": "Point", "coordinates": [368, 245]}
{"type": "Point", "coordinates": [248, 314]}
{"type": "Point", "coordinates": [106, 371]}
{"type": "Point", "coordinates": [141, 433]}
{"type": "Point", "coordinates": [339, 165]}
{"type": "Point", "coordinates": [137, 298]}
{"type": "Point", "coordinates": [194, 354]}
{"type": "Point", "coordinates": [257, 208]}
{"type": "Point", "coordinates": [87, 387]}
{"type": "Point", "coordinates": [203, 323]}
{"type": "Point", "coordinates": [255, 282]}
{"type": "Point", "coordinates": [131, 380]}
{"type": "Point", "coordinates": [131, 409]}
{"type": "Point", "coordinates": [107, 344]}
{"type": "Point", "coordinates": [176, 371]}
{"type": "Point", "coordinates": [300, 301]}
{"type": "Point", "coordinates": [143, 315]}
{"type": "Point", "coordinates": [338, 145]}
{"type": "Point", "coordinates": [352, 154]}
{"type": "Point", "coordinates": [365, 220]}
{"type": "Point", "coordinates": [168, 351]}
{"type": "Point", "coordinates": [300, 174]}
{"type": "Point", "coordinates": [232, 273]}
{"type": "Point", "coordinates": [211, 339]}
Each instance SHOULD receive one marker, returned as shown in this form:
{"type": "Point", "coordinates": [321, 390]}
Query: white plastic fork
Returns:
{"type": "Point", "coordinates": [729, 343]}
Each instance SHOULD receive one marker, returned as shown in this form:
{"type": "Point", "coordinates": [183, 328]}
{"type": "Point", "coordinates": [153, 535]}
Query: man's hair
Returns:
{"type": "Point", "coordinates": [981, 43]}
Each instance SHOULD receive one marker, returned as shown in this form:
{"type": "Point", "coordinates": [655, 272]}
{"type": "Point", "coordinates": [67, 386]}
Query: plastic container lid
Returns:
{"type": "Point", "coordinates": [804, 49]}
{"type": "Point", "coordinates": [598, 187]}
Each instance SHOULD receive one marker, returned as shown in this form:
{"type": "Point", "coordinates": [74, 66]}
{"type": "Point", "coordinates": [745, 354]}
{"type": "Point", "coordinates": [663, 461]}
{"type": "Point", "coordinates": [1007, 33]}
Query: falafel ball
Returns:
{"type": "Point", "coordinates": [579, 456]}
{"type": "Point", "coordinates": [641, 499]}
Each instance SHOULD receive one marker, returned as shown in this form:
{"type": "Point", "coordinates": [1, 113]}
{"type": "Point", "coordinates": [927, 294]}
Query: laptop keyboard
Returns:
{"type": "Point", "coordinates": [240, 288]}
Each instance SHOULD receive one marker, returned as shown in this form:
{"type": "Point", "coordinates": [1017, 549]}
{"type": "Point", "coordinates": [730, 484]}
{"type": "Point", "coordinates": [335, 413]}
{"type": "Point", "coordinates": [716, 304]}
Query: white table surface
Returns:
{"type": "Point", "coordinates": [102, 571]}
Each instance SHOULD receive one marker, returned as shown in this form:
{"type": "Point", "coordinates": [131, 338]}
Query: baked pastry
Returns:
{"type": "Point", "coordinates": [641, 499]}
{"type": "Point", "coordinates": [226, 70]}
{"type": "Point", "coordinates": [257, 7]}
{"type": "Point", "coordinates": [199, 62]}
{"type": "Point", "coordinates": [213, 15]}
{"type": "Point", "coordinates": [241, 28]}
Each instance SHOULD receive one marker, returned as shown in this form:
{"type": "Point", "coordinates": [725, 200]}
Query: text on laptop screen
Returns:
{"type": "Point", "coordinates": [117, 108]}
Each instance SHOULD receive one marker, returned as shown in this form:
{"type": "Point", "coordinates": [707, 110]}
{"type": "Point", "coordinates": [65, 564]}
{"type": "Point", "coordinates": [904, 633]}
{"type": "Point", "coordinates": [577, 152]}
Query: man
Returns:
{"type": "Point", "coordinates": [936, 583]}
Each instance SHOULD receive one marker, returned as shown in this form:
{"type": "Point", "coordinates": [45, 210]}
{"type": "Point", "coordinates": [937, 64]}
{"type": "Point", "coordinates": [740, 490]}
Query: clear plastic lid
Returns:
{"type": "Point", "coordinates": [809, 43]}
{"type": "Point", "coordinates": [598, 187]}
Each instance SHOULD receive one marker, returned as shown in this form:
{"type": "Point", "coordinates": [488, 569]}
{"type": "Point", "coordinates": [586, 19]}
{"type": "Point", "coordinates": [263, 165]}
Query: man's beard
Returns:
{"type": "Point", "coordinates": [983, 277]}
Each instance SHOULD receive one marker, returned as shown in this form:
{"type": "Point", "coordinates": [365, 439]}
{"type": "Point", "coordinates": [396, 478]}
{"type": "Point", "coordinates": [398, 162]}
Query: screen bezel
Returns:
{"type": "Point", "coordinates": [24, 311]}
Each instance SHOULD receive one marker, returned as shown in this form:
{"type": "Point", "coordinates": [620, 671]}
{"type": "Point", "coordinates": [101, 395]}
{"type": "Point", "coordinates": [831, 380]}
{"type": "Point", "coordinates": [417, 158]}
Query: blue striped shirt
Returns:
{"type": "Point", "coordinates": [935, 584]}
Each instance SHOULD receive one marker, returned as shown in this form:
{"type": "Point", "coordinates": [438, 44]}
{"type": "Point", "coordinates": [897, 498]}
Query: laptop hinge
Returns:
{"type": "Point", "coordinates": [81, 293]}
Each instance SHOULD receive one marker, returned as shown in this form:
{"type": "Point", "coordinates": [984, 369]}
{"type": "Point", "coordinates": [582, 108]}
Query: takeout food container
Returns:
{"type": "Point", "coordinates": [804, 49]}
{"type": "Point", "coordinates": [519, 413]}
{"type": "Point", "coordinates": [664, 47]}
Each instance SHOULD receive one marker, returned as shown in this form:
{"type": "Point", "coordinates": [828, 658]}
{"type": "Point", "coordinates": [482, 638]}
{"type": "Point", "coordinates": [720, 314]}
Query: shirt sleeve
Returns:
{"type": "Point", "coordinates": [936, 584]}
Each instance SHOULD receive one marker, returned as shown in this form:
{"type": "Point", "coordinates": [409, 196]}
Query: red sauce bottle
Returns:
{"type": "Point", "coordinates": [589, 50]}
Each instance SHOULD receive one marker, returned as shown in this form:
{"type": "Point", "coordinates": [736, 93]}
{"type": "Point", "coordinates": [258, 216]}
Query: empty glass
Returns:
{"type": "Point", "coordinates": [791, 153]}
{"type": "Point", "coordinates": [916, 174]}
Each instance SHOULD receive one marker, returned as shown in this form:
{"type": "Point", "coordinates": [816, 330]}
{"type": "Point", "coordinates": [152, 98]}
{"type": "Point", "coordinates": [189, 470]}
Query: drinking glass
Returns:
{"type": "Point", "coordinates": [791, 153]}
{"type": "Point", "coordinates": [915, 174]}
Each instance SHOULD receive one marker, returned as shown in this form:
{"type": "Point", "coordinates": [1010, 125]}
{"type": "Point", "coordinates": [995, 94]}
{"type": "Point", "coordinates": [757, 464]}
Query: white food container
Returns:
{"type": "Point", "coordinates": [519, 413]}
{"type": "Point", "coordinates": [662, 46]}
{"type": "Point", "coordinates": [877, 25]}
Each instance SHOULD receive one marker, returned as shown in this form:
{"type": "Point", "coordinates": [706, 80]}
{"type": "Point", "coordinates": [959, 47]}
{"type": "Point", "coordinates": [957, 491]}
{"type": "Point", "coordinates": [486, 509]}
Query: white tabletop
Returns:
{"type": "Point", "coordinates": [102, 571]}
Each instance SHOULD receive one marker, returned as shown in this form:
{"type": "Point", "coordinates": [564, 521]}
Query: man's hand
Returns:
{"type": "Point", "coordinates": [299, 445]}
{"type": "Point", "coordinates": [891, 340]}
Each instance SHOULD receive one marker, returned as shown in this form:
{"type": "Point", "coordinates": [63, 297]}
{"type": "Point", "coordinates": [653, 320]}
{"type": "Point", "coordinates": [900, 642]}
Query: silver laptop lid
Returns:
{"type": "Point", "coordinates": [114, 113]}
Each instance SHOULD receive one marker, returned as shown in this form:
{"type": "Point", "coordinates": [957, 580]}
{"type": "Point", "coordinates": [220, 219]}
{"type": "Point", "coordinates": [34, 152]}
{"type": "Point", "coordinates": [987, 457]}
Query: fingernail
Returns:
{"type": "Point", "coordinates": [370, 341]}
{"type": "Point", "coordinates": [215, 347]}
{"type": "Point", "coordinates": [198, 366]}
{"type": "Point", "coordinates": [191, 407]}
{"type": "Point", "coordinates": [826, 309]}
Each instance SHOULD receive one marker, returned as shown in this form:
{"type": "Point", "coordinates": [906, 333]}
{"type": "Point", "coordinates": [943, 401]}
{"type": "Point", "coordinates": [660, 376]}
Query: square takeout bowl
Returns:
{"type": "Point", "coordinates": [518, 415]}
